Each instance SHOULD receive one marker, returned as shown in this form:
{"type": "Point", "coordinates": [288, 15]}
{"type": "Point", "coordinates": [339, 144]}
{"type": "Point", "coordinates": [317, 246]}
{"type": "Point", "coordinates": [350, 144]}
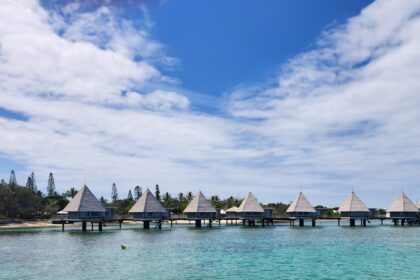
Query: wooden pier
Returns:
{"type": "Point", "coordinates": [223, 220]}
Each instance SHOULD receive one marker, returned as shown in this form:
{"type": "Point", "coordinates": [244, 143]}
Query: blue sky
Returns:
{"type": "Point", "coordinates": [225, 43]}
{"type": "Point", "coordinates": [225, 97]}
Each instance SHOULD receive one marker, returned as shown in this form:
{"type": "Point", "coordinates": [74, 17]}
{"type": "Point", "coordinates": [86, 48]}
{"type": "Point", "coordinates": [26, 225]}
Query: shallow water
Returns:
{"type": "Point", "coordinates": [229, 252]}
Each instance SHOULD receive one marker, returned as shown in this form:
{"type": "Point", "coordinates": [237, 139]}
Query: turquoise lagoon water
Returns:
{"type": "Point", "coordinates": [228, 252]}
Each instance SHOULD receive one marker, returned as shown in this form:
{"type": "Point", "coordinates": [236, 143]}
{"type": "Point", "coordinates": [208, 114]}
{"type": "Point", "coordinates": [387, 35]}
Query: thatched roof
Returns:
{"type": "Point", "coordinates": [84, 201]}
{"type": "Point", "coordinates": [353, 204]}
{"type": "Point", "coordinates": [199, 204]}
{"type": "Point", "coordinates": [418, 204]}
{"type": "Point", "coordinates": [300, 204]}
{"type": "Point", "coordinates": [250, 204]}
{"type": "Point", "coordinates": [402, 204]}
{"type": "Point", "coordinates": [147, 203]}
{"type": "Point", "coordinates": [232, 209]}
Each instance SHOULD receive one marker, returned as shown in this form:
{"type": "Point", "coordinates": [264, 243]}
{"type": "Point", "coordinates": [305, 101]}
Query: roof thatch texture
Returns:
{"type": "Point", "coordinates": [250, 204]}
{"type": "Point", "coordinates": [199, 204]}
{"type": "Point", "coordinates": [402, 204]}
{"type": "Point", "coordinates": [418, 204]}
{"type": "Point", "coordinates": [232, 209]}
{"type": "Point", "coordinates": [147, 203]}
{"type": "Point", "coordinates": [353, 204]}
{"type": "Point", "coordinates": [84, 201]}
{"type": "Point", "coordinates": [300, 204]}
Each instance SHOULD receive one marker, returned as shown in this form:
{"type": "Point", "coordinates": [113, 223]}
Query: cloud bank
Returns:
{"type": "Point", "coordinates": [97, 107]}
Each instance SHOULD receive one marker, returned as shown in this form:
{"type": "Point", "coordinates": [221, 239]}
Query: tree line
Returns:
{"type": "Point", "coordinates": [29, 202]}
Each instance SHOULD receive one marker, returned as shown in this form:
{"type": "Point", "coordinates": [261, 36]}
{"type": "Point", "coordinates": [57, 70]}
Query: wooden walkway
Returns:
{"type": "Point", "coordinates": [59, 219]}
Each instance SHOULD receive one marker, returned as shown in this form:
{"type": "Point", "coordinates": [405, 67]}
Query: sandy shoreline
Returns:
{"type": "Point", "coordinates": [29, 224]}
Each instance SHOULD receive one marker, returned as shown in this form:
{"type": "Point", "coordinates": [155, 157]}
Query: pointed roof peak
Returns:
{"type": "Point", "coordinates": [84, 201]}
{"type": "Point", "coordinates": [199, 204]}
{"type": "Point", "coordinates": [353, 204]}
{"type": "Point", "coordinates": [402, 204]}
{"type": "Point", "coordinates": [250, 204]}
{"type": "Point", "coordinates": [147, 203]}
{"type": "Point", "coordinates": [300, 204]}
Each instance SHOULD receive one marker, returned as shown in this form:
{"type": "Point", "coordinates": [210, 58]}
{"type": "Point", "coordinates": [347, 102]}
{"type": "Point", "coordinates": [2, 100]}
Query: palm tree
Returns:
{"type": "Point", "coordinates": [166, 199]}
{"type": "Point", "coordinates": [180, 197]}
{"type": "Point", "coordinates": [189, 196]}
{"type": "Point", "coordinates": [71, 192]}
{"type": "Point", "coordinates": [215, 201]}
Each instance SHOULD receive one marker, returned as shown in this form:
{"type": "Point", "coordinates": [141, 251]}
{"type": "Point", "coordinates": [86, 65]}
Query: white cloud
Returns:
{"type": "Point", "coordinates": [349, 108]}
{"type": "Point", "coordinates": [344, 114]}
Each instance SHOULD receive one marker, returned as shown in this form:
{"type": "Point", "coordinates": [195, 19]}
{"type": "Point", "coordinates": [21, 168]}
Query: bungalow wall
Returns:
{"type": "Point", "coordinates": [268, 212]}
{"type": "Point", "coordinates": [86, 215]}
{"type": "Point", "coordinates": [355, 214]}
{"type": "Point", "coordinates": [150, 215]}
{"type": "Point", "coordinates": [202, 215]}
{"type": "Point", "coordinates": [401, 214]}
{"type": "Point", "coordinates": [251, 215]}
{"type": "Point", "coordinates": [231, 214]}
{"type": "Point", "coordinates": [302, 214]}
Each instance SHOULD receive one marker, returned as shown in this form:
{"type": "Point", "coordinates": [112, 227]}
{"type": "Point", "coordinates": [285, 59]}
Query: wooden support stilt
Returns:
{"type": "Point", "coordinates": [219, 222]}
{"type": "Point", "coordinates": [62, 226]}
{"type": "Point", "coordinates": [402, 222]}
{"type": "Point", "coordinates": [313, 222]}
{"type": "Point", "coordinates": [83, 226]}
{"type": "Point", "coordinates": [120, 222]}
{"type": "Point", "coordinates": [210, 223]}
{"type": "Point", "coordinates": [198, 223]}
{"type": "Point", "coordinates": [171, 223]}
{"type": "Point", "coordinates": [160, 224]}
{"type": "Point", "coordinates": [92, 225]}
{"type": "Point", "coordinates": [352, 222]}
{"type": "Point", "coordinates": [146, 224]}
{"type": "Point", "coordinates": [100, 226]}
{"type": "Point", "coordinates": [301, 222]}
{"type": "Point", "coordinates": [338, 220]}
{"type": "Point", "coordinates": [382, 222]}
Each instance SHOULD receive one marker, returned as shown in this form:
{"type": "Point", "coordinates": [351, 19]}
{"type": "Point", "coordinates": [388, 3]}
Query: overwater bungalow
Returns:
{"type": "Point", "coordinates": [250, 210]}
{"type": "Point", "coordinates": [232, 212]}
{"type": "Point", "coordinates": [301, 209]}
{"type": "Point", "coordinates": [402, 210]}
{"type": "Point", "coordinates": [200, 209]}
{"type": "Point", "coordinates": [148, 209]}
{"type": "Point", "coordinates": [353, 208]}
{"type": "Point", "coordinates": [84, 207]}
